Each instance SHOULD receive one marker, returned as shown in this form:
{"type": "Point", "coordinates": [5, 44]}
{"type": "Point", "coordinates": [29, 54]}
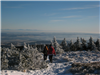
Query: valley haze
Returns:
{"type": "Point", "coordinates": [33, 37]}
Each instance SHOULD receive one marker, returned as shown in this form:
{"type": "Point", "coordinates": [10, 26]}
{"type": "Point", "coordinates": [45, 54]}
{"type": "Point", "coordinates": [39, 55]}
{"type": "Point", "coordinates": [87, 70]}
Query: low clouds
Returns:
{"type": "Point", "coordinates": [77, 8]}
{"type": "Point", "coordinates": [56, 20]}
{"type": "Point", "coordinates": [75, 16]}
{"type": "Point", "coordinates": [71, 16]}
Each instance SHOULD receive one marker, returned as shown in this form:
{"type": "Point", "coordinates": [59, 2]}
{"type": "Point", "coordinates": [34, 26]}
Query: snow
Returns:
{"type": "Point", "coordinates": [61, 63]}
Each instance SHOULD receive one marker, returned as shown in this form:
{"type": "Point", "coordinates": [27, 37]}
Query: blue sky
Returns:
{"type": "Point", "coordinates": [51, 16]}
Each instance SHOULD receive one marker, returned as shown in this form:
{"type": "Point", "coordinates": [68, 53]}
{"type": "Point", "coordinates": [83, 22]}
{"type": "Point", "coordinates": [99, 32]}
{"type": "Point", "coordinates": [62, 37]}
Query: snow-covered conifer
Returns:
{"type": "Point", "coordinates": [31, 47]}
{"type": "Point", "coordinates": [12, 46]}
{"type": "Point", "coordinates": [28, 46]}
{"type": "Point", "coordinates": [30, 59]}
{"type": "Point", "coordinates": [93, 46]}
{"type": "Point", "coordinates": [98, 44]}
{"type": "Point", "coordinates": [71, 46]}
{"type": "Point", "coordinates": [71, 42]}
{"type": "Point", "coordinates": [64, 44]}
{"type": "Point", "coordinates": [25, 46]}
{"type": "Point", "coordinates": [78, 44]}
{"type": "Point", "coordinates": [4, 60]}
{"type": "Point", "coordinates": [25, 59]}
{"type": "Point", "coordinates": [56, 46]}
{"type": "Point", "coordinates": [91, 43]}
{"type": "Point", "coordinates": [52, 43]}
{"type": "Point", "coordinates": [35, 46]}
{"type": "Point", "coordinates": [42, 47]}
{"type": "Point", "coordinates": [84, 44]}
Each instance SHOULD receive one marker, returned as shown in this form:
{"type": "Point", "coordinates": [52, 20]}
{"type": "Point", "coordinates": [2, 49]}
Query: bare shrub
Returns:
{"type": "Point", "coordinates": [84, 68]}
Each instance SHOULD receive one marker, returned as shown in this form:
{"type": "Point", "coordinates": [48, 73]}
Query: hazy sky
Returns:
{"type": "Point", "coordinates": [56, 16]}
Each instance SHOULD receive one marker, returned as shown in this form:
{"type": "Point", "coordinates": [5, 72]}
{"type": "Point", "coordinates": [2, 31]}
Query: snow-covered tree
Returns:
{"type": "Point", "coordinates": [31, 47]}
{"type": "Point", "coordinates": [25, 46]}
{"type": "Point", "coordinates": [42, 47]}
{"type": "Point", "coordinates": [35, 46]}
{"type": "Point", "coordinates": [28, 46]}
{"type": "Point", "coordinates": [91, 43]}
{"type": "Point", "coordinates": [39, 49]}
{"type": "Point", "coordinates": [93, 46]}
{"type": "Point", "coordinates": [4, 60]}
{"type": "Point", "coordinates": [55, 43]}
{"type": "Point", "coordinates": [84, 44]}
{"type": "Point", "coordinates": [71, 42]}
{"type": "Point", "coordinates": [78, 44]}
{"type": "Point", "coordinates": [64, 45]}
{"type": "Point", "coordinates": [56, 46]}
{"type": "Point", "coordinates": [98, 44]}
{"type": "Point", "coordinates": [30, 59]}
{"type": "Point", "coordinates": [25, 59]}
{"type": "Point", "coordinates": [12, 46]}
{"type": "Point", "coordinates": [71, 46]}
{"type": "Point", "coordinates": [52, 43]}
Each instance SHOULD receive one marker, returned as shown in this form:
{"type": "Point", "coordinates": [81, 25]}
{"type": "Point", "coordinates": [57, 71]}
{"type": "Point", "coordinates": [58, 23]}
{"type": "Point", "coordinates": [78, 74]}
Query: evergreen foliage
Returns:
{"type": "Point", "coordinates": [64, 45]}
{"type": "Point", "coordinates": [26, 59]}
{"type": "Point", "coordinates": [29, 58]}
{"type": "Point", "coordinates": [56, 46]}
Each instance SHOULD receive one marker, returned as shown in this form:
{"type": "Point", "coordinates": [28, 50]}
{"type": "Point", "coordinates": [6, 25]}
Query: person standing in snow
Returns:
{"type": "Point", "coordinates": [45, 51]}
{"type": "Point", "coordinates": [51, 52]}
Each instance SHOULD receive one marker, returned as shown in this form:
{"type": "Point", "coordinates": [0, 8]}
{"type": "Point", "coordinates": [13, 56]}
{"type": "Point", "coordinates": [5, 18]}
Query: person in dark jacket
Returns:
{"type": "Point", "coordinates": [45, 51]}
{"type": "Point", "coordinates": [51, 52]}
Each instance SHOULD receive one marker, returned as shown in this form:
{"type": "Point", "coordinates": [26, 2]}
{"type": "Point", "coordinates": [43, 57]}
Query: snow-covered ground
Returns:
{"type": "Point", "coordinates": [61, 63]}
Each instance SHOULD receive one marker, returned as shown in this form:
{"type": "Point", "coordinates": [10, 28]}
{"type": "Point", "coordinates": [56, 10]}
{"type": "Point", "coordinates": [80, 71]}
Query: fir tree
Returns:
{"type": "Point", "coordinates": [84, 45]}
{"type": "Point", "coordinates": [93, 46]}
{"type": "Point", "coordinates": [91, 43]}
{"type": "Point", "coordinates": [4, 60]}
{"type": "Point", "coordinates": [56, 46]}
{"type": "Point", "coordinates": [25, 46]}
{"type": "Point", "coordinates": [12, 46]}
{"type": "Point", "coordinates": [64, 45]}
{"type": "Point", "coordinates": [71, 46]}
{"type": "Point", "coordinates": [78, 44]}
{"type": "Point", "coordinates": [98, 44]}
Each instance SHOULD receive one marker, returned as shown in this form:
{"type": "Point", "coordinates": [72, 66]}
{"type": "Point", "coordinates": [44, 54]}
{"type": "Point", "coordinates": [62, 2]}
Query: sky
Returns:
{"type": "Point", "coordinates": [51, 16]}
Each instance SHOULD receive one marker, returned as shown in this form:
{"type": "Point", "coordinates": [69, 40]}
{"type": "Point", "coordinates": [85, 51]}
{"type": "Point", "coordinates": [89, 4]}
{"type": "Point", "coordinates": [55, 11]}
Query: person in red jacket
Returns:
{"type": "Point", "coordinates": [51, 52]}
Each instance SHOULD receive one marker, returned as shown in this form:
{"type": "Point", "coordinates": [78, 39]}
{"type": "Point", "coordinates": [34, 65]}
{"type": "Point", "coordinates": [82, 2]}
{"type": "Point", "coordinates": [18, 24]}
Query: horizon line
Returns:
{"type": "Point", "coordinates": [43, 31]}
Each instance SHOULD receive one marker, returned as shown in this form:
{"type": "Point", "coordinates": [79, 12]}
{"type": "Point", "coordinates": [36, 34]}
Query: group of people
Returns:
{"type": "Point", "coordinates": [49, 52]}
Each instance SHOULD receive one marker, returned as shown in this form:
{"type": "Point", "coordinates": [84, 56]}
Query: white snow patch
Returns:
{"type": "Point", "coordinates": [61, 63]}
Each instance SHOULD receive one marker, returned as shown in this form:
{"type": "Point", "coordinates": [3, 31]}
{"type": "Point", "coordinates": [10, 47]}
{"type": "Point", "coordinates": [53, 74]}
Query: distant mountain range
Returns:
{"type": "Point", "coordinates": [20, 30]}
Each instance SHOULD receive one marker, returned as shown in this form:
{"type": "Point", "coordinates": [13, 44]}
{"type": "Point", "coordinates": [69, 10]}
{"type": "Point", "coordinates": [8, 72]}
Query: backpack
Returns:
{"type": "Point", "coordinates": [51, 49]}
